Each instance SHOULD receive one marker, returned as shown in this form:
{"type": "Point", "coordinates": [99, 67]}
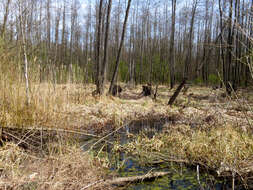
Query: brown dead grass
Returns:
{"type": "Point", "coordinates": [208, 130]}
{"type": "Point", "coordinates": [72, 106]}
{"type": "Point", "coordinates": [69, 168]}
{"type": "Point", "coordinates": [209, 148]}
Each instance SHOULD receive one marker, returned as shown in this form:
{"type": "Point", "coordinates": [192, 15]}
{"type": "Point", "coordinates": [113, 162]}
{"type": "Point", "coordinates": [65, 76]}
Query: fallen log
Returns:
{"type": "Point", "coordinates": [124, 180]}
{"type": "Point", "coordinates": [135, 179]}
{"type": "Point", "coordinates": [176, 93]}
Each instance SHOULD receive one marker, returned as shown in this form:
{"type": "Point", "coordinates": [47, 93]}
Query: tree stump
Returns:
{"type": "Point", "coordinates": [116, 90]}
{"type": "Point", "coordinates": [146, 90]}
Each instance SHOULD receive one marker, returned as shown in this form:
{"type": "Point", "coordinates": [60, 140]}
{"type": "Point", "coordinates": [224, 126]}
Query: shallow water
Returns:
{"type": "Point", "coordinates": [180, 177]}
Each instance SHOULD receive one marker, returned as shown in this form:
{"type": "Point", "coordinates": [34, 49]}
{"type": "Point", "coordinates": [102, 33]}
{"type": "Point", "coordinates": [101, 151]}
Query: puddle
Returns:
{"type": "Point", "coordinates": [180, 177]}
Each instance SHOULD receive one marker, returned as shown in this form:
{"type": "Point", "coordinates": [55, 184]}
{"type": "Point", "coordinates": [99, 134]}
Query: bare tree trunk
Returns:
{"type": "Point", "coordinates": [57, 20]}
{"type": "Point", "coordinates": [22, 23]}
{"type": "Point", "coordinates": [120, 48]}
{"type": "Point", "coordinates": [229, 50]}
{"type": "Point", "coordinates": [131, 59]}
{"type": "Point", "coordinates": [87, 50]}
{"type": "Point", "coordinates": [63, 39]}
{"type": "Point", "coordinates": [224, 71]}
{"type": "Point", "coordinates": [5, 18]}
{"type": "Point", "coordinates": [48, 38]}
{"type": "Point", "coordinates": [249, 70]}
{"type": "Point", "coordinates": [72, 35]}
{"type": "Point", "coordinates": [189, 51]}
{"type": "Point", "coordinates": [98, 47]}
{"type": "Point", "coordinates": [237, 45]}
{"type": "Point", "coordinates": [104, 65]}
{"type": "Point", "coordinates": [172, 48]}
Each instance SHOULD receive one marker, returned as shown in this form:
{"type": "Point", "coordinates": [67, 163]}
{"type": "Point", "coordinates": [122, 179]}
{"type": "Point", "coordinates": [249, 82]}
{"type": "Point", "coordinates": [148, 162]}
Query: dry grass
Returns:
{"type": "Point", "coordinates": [67, 168]}
{"type": "Point", "coordinates": [72, 106]}
{"type": "Point", "coordinates": [205, 129]}
{"type": "Point", "coordinates": [208, 129]}
{"type": "Point", "coordinates": [212, 148]}
{"type": "Point", "coordinates": [68, 106]}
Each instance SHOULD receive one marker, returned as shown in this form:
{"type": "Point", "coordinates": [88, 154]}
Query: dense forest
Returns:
{"type": "Point", "coordinates": [164, 41]}
{"type": "Point", "coordinates": [126, 94]}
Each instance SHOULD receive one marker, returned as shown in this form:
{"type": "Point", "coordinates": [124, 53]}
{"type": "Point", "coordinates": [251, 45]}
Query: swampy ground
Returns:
{"type": "Point", "coordinates": [205, 127]}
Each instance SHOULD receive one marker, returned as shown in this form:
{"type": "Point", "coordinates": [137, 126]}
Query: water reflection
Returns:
{"type": "Point", "coordinates": [186, 180]}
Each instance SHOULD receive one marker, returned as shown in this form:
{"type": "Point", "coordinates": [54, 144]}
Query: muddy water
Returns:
{"type": "Point", "coordinates": [180, 177]}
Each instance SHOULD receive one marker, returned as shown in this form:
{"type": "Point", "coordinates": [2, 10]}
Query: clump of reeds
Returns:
{"type": "Point", "coordinates": [47, 100]}
{"type": "Point", "coordinates": [211, 148]}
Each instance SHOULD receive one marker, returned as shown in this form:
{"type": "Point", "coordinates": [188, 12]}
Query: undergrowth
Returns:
{"type": "Point", "coordinates": [65, 167]}
{"type": "Point", "coordinates": [213, 148]}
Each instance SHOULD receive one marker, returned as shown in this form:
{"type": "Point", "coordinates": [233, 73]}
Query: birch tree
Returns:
{"type": "Point", "coordinates": [22, 24]}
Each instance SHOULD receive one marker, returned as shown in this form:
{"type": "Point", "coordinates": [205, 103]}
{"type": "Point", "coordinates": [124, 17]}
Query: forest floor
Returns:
{"type": "Point", "coordinates": [73, 108]}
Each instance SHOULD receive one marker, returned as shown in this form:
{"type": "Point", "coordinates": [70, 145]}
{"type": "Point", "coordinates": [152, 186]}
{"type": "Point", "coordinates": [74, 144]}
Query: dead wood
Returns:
{"type": "Point", "coordinates": [185, 90]}
{"type": "Point", "coordinates": [155, 94]}
{"type": "Point", "coordinates": [36, 137]}
{"type": "Point", "coordinates": [134, 179]}
{"type": "Point", "coordinates": [215, 87]}
{"type": "Point", "coordinates": [176, 93]}
{"type": "Point", "coordinates": [116, 90]}
{"type": "Point", "coordinates": [48, 129]}
{"type": "Point", "coordinates": [146, 90]}
{"type": "Point", "coordinates": [124, 180]}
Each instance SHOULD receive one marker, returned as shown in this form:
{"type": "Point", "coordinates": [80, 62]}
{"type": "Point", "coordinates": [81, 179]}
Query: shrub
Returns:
{"type": "Point", "coordinates": [213, 79]}
{"type": "Point", "coordinates": [198, 81]}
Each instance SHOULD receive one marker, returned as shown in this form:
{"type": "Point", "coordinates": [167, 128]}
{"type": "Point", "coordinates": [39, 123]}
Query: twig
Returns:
{"type": "Point", "coordinates": [92, 184]}
{"type": "Point", "coordinates": [108, 135]}
{"type": "Point", "coordinates": [243, 111]}
{"type": "Point", "coordinates": [20, 140]}
{"type": "Point", "coordinates": [53, 129]}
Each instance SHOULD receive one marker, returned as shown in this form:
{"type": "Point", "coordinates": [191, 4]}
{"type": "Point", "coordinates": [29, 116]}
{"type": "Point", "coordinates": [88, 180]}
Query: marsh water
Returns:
{"type": "Point", "coordinates": [180, 176]}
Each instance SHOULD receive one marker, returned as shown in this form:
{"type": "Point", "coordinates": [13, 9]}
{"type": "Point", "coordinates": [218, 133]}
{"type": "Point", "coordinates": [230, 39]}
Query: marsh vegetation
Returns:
{"type": "Point", "coordinates": [158, 96]}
